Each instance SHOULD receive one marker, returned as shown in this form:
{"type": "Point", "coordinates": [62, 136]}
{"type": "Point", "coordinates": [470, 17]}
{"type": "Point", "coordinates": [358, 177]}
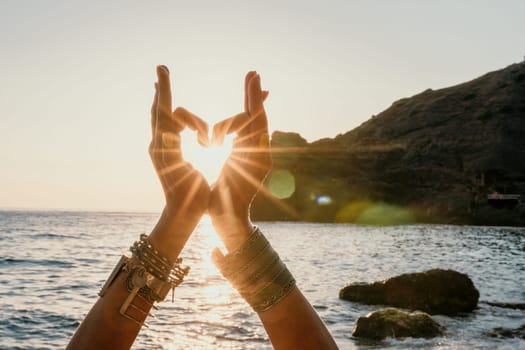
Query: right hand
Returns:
{"type": "Point", "coordinates": [245, 169]}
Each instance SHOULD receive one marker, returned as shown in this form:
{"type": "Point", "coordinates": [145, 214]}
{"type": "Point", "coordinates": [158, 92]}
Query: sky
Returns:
{"type": "Point", "coordinates": [76, 78]}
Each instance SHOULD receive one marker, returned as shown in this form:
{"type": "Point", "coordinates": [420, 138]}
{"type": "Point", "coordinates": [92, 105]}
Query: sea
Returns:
{"type": "Point", "coordinates": [53, 263]}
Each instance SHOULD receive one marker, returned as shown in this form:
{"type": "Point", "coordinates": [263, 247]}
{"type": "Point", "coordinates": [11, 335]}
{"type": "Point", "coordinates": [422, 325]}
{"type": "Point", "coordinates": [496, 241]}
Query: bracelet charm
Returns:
{"type": "Point", "coordinates": [116, 270]}
{"type": "Point", "coordinates": [149, 275]}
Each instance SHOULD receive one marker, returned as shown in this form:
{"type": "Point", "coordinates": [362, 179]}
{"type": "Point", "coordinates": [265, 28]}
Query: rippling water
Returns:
{"type": "Point", "coordinates": [52, 265]}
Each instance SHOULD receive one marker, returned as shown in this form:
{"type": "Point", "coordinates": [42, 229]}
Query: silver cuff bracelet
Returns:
{"type": "Point", "coordinates": [256, 271]}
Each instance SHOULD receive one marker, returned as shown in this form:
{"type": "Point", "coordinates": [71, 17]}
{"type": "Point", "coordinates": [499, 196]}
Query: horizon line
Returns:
{"type": "Point", "coordinates": [107, 210]}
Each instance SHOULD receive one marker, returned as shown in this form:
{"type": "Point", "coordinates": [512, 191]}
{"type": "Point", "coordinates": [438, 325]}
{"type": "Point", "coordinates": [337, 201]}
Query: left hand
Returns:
{"type": "Point", "coordinates": [185, 189]}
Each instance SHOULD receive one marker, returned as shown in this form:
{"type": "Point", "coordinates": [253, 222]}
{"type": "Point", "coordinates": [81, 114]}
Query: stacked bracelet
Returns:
{"type": "Point", "coordinates": [157, 265]}
{"type": "Point", "coordinates": [149, 275]}
{"type": "Point", "coordinates": [256, 271]}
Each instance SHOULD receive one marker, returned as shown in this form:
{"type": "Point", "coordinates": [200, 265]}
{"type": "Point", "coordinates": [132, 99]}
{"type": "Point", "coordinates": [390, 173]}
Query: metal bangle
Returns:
{"type": "Point", "coordinates": [149, 275]}
{"type": "Point", "coordinates": [256, 271]}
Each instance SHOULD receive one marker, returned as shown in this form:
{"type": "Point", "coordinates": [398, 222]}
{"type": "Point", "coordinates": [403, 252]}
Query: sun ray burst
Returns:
{"type": "Point", "coordinates": [262, 189]}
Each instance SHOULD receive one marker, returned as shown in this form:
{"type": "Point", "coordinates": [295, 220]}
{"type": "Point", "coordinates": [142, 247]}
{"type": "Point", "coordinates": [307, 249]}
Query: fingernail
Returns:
{"type": "Point", "coordinates": [163, 68]}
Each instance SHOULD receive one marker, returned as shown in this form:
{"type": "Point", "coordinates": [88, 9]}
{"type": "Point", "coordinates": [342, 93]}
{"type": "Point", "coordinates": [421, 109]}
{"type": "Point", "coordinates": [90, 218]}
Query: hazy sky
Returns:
{"type": "Point", "coordinates": [76, 80]}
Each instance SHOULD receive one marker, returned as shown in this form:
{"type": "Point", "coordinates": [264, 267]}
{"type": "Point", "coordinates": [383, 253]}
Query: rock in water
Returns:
{"type": "Point", "coordinates": [436, 291]}
{"type": "Point", "coordinates": [397, 324]}
{"type": "Point", "coordinates": [517, 306]}
{"type": "Point", "coordinates": [501, 332]}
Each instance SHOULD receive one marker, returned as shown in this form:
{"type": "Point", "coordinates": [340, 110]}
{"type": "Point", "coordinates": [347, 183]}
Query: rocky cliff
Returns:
{"type": "Point", "coordinates": [433, 157]}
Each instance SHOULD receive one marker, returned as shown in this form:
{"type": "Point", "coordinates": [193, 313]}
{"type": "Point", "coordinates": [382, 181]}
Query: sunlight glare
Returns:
{"type": "Point", "coordinates": [208, 160]}
{"type": "Point", "coordinates": [210, 237]}
{"type": "Point", "coordinates": [215, 290]}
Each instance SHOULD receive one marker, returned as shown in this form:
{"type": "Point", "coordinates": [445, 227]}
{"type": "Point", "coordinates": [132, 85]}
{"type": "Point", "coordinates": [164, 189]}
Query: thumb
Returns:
{"type": "Point", "coordinates": [265, 94]}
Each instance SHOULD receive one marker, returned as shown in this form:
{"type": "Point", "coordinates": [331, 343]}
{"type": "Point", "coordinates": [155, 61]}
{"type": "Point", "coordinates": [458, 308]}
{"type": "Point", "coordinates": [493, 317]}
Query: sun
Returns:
{"type": "Point", "coordinates": [208, 160]}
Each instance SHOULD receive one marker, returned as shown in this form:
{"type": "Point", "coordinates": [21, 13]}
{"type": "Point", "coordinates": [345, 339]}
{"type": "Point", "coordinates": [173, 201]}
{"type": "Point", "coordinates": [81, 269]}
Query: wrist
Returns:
{"type": "Point", "coordinates": [233, 231]}
{"type": "Point", "coordinates": [171, 232]}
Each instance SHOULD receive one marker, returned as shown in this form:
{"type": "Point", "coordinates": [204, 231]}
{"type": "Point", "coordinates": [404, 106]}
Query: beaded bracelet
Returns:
{"type": "Point", "coordinates": [150, 276]}
{"type": "Point", "coordinates": [156, 264]}
{"type": "Point", "coordinates": [256, 271]}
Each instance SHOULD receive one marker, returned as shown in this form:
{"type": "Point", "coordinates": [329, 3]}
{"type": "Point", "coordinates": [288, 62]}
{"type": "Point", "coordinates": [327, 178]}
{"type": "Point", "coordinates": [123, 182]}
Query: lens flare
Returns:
{"type": "Point", "coordinates": [374, 213]}
{"type": "Point", "coordinates": [323, 200]}
{"type": "Point", "coordinates": [208, 160]}
{"type": "Point", "coordinates": [281, 183]}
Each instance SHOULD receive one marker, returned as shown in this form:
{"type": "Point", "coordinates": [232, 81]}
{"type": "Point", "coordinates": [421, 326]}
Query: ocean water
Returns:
{"type": "Point", "coordinates": [53, 263]}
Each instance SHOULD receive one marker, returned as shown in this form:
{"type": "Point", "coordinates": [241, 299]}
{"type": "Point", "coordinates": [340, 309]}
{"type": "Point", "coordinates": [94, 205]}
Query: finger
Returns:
{"type": "Point", "coordinates": [255, 96]}
{"type": "Point", "coordinates": [184, 118]}
{"type": "Point", "coordinates": [174, 175]}
{"type": "Point", "coordinates": [164, 103]}
{"type": "Point", "coordinates": [165, 152]}
{"type": "Point", "coordinates": [170, 140]}
{"type": "Point", "coordinates": [238, 123]}
{"type": "Point", "coordinates": [259, 124]}
{"type": "Point", "coordinates": [154, 112]}
{"type": "Point", "coordinates": [247, 79]}
{"type": "Point", "coordinates": [265, 94]}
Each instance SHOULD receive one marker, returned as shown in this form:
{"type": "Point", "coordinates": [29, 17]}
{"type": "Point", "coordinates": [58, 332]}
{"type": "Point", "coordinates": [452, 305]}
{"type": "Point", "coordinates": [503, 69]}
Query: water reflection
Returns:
{"type": "Point", "coordinates": [76, 251]}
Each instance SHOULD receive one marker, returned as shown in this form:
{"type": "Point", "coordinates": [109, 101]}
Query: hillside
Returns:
{"type": "Point", "coordinates": [433, 157]}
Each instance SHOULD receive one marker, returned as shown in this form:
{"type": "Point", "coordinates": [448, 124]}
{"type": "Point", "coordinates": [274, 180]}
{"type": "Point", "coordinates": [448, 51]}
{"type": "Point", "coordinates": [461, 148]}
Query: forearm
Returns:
{"type": "Point", "coordinates": [290, 322]}
{"type": "Point", "coordinates": [294, 324]}
{"type": "Point", "coordinates": [105, 327]}
{"type": "Point", "coordinates": [234, 230]}
{"type": "Point", "coordinates": [172, 231]}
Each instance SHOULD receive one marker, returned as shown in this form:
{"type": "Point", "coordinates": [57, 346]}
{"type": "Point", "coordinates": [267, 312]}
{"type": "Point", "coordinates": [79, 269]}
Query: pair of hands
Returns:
{"type": "Point", "coordinates": [188, 195]}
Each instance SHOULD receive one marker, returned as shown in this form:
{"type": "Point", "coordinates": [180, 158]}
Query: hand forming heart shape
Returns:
{"type": "Point", "coordinates": [187, 192]}
{"type": "Point", "coordinates": [245, 169]}
{"type": "Point", "coordinates": [207, 159]}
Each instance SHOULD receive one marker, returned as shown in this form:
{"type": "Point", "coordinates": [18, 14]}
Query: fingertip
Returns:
{"type": "Point", "coordinates": [203, 139]}
{"type": "Point", "coordinates": [265, 94]}
{"type": "Point", "coordinates": [202, 136]}
{"type": "Point", "coordinates": [162, 69]}
{"type": "Point", "coordinates": [217, 138]}
{"type": "Point", "coordinates": [255, 81]}
{"type": "Point", "coordinates": [255, 94]}
{"type": "Point", "coordinates": [249, 76]}
{"type": "Point", "coordinates": [214, 135]}
{"type": "Point", "coordinates": [163, 74]}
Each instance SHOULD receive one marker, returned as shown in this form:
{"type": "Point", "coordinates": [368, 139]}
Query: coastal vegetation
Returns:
{"type": "Point", "coordinates": [453, 155]}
